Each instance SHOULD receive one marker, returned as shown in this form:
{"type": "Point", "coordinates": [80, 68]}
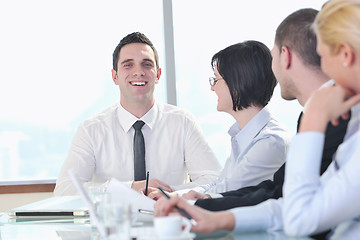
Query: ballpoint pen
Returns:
{"type": "Point", "coordinates": [182, 211]}
{"type": "Point", "coordinates": [147, 183]}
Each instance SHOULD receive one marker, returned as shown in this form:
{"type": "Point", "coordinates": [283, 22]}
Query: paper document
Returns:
{"type": "Point", "coordinates": [125, 194]}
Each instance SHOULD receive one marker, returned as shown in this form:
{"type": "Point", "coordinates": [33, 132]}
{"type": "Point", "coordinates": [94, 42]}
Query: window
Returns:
{"type": "Point", "coordinates": [56, 61]}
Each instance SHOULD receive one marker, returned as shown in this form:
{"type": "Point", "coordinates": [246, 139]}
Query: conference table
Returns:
{"type": "Point", "coordinates": [81, 229]}
{"type": "Point", "coordinates": [71, 231]}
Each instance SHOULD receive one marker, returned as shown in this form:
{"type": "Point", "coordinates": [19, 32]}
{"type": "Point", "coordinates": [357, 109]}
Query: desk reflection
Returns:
{"type": "Point", "coordinates": [80, 231]}
{"type": "Point", "coordinates": [252, 236]}
{"type": "Point", "coordinates": [84, 232]}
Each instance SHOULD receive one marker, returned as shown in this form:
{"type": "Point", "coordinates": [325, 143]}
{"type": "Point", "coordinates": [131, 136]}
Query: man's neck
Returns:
{"type": "Point", "coordinates": [138, 109]}
{"type": "Point", "coordinates": [309, 82]}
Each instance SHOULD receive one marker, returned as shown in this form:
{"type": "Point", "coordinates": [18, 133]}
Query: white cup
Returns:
{"type": "Point", "coordinates": [171, 226]}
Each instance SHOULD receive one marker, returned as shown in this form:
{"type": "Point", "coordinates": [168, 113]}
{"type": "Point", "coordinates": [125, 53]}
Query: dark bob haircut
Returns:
{"type": "Point", "coordinates": [246, 69]}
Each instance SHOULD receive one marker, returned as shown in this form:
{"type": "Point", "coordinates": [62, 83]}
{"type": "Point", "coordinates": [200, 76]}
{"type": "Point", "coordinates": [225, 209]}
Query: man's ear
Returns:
{"type": "Point", "coordinates": [114, 76]}
{"type": "Point", "coordinates": [286, 56]}
{"type": "Point", "coordinates": [158, 74]}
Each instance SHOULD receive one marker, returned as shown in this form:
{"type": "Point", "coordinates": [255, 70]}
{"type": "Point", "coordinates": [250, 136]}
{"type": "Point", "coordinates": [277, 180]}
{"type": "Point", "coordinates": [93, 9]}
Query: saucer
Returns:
{"type": "Point", "coordinates": [187, 236]}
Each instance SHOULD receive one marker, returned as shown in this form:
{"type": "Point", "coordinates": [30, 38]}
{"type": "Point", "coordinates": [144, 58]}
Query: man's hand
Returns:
{"type": "Point", "coordinates": [207, 222]}
{"type": "Point", "coordinates": [154, 183]}
{"type": "Point", "coordinates": [193, 195]}
{"type": "Point", "coordinates": [155, 193]}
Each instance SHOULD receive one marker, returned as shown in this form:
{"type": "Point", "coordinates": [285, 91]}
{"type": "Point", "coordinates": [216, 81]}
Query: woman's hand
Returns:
{"type": "Point", "coordinates": [327, 104]}
{"type": "Point", "coordinates": [207, 222]}
{"type": "Point", "coordinates": [156, 194]}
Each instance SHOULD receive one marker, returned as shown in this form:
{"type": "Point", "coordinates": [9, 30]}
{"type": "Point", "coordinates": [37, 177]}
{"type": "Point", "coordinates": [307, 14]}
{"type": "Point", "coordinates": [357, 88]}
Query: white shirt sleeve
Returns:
{"type": "Point", "coordinates": [266, 216]}
{"type": "Point", "coordinates": [81, 160]}
{"type": "Point", "coordinates": [201, 163]}
{"type": "Point", "coordinates": [312, 203]}
{"type": "Point", "coordinates": [258, 163]}
{"type": "Point", "coordinates": [215, 195]}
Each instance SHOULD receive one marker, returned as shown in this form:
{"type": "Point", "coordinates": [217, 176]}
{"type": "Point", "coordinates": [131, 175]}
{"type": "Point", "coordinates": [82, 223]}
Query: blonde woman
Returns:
{"type": "Point", "coordinates": [312, 203]}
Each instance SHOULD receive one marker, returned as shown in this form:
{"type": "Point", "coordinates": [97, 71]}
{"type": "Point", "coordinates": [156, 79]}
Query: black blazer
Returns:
{"type": "Point", "coordinates": [272, 189]}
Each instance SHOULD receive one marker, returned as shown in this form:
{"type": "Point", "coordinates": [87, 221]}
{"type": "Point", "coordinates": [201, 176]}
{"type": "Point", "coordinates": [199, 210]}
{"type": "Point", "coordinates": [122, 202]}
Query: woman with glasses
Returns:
{"type": "Point", "coordinates": [244, 84]}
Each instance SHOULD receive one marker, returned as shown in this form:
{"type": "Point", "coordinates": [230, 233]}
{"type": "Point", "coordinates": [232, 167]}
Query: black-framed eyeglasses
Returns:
{"type": "Point", "coordinates": [213, 80]}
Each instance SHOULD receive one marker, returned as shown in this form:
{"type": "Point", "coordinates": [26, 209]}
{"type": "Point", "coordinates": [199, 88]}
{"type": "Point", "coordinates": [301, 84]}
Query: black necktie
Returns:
{"type": "Point", "coordinates": [139, 152]}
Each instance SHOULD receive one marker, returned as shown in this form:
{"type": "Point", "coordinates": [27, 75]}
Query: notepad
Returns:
{"type": "Point", "coordinates": [56, 207]}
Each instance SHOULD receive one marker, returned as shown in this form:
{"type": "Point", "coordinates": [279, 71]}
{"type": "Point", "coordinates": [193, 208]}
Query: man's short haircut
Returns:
{"type": "Point", "coordinates": [296, 33]}
{"type": "Point", "coordinates": [135, 37]}
{"type": "Point", "coordinates": [246, 69]}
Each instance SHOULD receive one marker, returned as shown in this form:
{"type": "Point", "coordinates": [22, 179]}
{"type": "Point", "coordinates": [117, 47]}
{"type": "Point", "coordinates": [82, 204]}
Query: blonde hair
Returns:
{"type": "Point", "coordinates": [338, 22]}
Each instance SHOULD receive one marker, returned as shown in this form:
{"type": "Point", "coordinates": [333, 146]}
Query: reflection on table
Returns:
{"type": "Point", "coordinates": [82, 230]}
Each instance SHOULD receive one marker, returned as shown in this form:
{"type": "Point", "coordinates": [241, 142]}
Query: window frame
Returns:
{"type": "Point", "coordinates": [27, 186]}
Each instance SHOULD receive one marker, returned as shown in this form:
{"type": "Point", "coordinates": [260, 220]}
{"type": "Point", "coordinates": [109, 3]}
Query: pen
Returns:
{"type": "Point", "coordinates": [183, 212]}
{"type": "Point", "coordinates": [144, 211]}
{"type": "Point", "coordinates": [147, 183]}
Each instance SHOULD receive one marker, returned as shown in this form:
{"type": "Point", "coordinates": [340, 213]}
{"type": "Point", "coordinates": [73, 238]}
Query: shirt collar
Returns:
{"type": "Point", "coordinates": [127, 119]}
{"type": "Point", "coordinates": [327, 83]}
{"type": "Point", "coordinates": [252, 128]}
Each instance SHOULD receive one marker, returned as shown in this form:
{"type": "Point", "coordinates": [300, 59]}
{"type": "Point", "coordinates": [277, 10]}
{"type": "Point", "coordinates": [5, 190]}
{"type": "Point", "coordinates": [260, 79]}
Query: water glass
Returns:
{"type": "Point", "coordinates": [116, 218]}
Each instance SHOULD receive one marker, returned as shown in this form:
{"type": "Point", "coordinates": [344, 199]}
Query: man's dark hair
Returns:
{"type": "Point", "coordinates": [296, 33]}
{"type": "Point", "coordinates": [135, 37]}
{"type": "Point", "coordinates": [246, 69]}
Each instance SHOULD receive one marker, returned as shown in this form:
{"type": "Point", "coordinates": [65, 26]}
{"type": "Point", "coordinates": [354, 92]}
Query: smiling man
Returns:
{"type": "Point", "coordinates": [102, 149]}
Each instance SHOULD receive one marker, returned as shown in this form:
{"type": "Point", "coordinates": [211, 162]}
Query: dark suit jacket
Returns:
{"type": "Point", "coordinates": [268, 189]}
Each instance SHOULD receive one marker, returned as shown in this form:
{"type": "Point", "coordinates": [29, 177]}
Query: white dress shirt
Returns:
{"type": "Point", "coordinates": [258, 151]}
{"type": "Point", "coordinates": [175, 147]}
{"type": "Point", "coordinates": [313, 203]}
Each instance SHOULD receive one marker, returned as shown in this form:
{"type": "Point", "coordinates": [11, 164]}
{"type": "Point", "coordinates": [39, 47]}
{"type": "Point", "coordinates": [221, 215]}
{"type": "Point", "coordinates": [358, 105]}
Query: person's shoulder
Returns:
{"type": "Point", "coordinates": [173, 111]}
{"type": "Point", "coordinates": [102, 117]}
{"type": "Point", "coordinates": [277, 130]}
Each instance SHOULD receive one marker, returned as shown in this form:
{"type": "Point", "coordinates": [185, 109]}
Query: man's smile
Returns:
{"type": "Point", "coordinates": [138, 83]}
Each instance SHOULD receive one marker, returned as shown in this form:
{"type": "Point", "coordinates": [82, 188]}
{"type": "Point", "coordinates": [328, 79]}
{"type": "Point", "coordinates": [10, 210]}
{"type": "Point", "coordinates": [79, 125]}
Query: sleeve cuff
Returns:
{"type": "Point", "coordinates": [215, 195]}
{"type": "Point", "coordinates": [266, 216]}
